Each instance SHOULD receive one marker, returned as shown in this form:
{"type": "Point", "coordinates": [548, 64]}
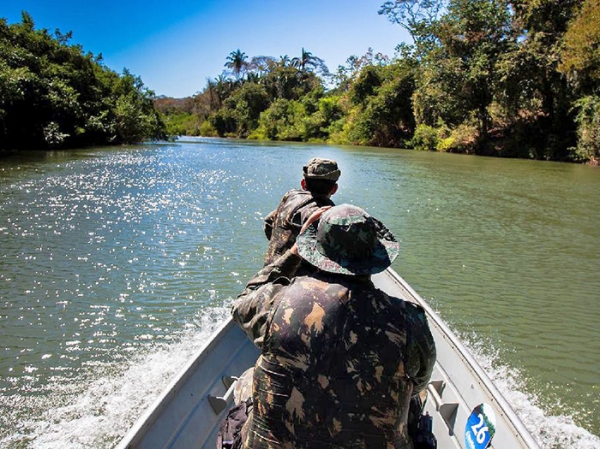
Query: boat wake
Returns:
{"type": "Point", "coordinates": [551, 432]}
{"type": "Point", "coordinates": [98, 413]}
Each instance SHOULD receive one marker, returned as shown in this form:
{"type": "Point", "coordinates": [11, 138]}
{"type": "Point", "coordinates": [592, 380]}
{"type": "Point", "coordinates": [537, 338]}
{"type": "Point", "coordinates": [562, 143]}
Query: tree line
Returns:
{"type": "Point", "coordinates": [492, 77]}
{"type": "Point", "coordinates": [507, 78]}
{"type": "Point", "coordinates": [54, 95]}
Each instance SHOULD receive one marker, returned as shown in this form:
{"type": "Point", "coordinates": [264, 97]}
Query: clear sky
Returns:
{"type": "Point", "coordinates": [174, 46]}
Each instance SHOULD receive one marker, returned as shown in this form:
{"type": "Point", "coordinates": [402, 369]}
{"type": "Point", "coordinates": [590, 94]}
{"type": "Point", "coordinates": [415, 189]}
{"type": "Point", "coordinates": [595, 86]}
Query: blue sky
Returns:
{"type": "Point", "coordinates": [175, 46]}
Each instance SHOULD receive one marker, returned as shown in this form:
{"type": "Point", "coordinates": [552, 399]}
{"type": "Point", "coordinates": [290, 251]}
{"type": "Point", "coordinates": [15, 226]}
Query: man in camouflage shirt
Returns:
{"type": "Point", "coordinates": [340, 358]}
{"type": "Point", "coordinates": [283, 225]}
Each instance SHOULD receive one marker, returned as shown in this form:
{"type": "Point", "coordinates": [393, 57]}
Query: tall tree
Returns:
{"type": "Point", "coordinates": [543, 90]}
{"type": "Point", "coordinates": [418, 17]}
{"type": "Point", "coordinates": [580, 55]}
{"type": "Point", "coordinates": [474, 35]}
{"type": "Point", "coordinates": [236, 61]}
{"type": "Point", "coordinates": [306, 61]}
{"type": "Point", "coordinates": [54, 95]}
{"type": "Point", "coordinates": [580, 61]}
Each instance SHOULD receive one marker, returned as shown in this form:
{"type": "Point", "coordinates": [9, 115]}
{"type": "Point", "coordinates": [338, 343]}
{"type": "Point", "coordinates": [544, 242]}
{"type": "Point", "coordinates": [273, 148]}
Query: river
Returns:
{"type": "Point", "coordinates": [116, 264]}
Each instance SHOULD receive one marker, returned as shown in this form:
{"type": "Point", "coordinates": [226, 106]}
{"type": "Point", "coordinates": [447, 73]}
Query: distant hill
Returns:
{"type": "Point", "coordinates": [169, 105]}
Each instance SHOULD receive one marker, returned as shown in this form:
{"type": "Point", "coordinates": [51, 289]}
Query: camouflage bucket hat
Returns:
{"type": "Point", "coordinates": [318, 168]}
{"type": "Point", "coordinates": [347, 240]}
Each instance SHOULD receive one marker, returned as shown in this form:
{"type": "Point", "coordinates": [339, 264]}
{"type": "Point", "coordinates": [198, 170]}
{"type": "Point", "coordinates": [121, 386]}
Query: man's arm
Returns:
{"type": "Point", "coordinates": [251, 309]}
{"type": "Point", "coordinates": [420, 347]}
{"type": "Point", "coordinates": [268, 224]}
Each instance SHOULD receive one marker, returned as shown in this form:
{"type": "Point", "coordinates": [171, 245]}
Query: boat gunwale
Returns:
{"type": "Point", "coordinates": [465, 354]}
{"type": "Point", "coordinates": [153, 412]}
{"type": "Point", "coordinates": [149, 417]}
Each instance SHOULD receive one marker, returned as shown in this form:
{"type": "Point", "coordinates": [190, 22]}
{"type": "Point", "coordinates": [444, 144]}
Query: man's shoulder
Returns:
{"type": "Point", "coordinates": [416, 315]}
{"type": "Point", "coordinates": [294, 193]}
{"type": "Point", "coordinates": [292, 196]}
{"type": "Point", "coordinates": [317, 287]}
{"type": "Point", "coordinates": [411, 309]}
{"type": "Point", "coordinates": [295, 201]}
{"type": "Point", "coordinates": [311, 204]}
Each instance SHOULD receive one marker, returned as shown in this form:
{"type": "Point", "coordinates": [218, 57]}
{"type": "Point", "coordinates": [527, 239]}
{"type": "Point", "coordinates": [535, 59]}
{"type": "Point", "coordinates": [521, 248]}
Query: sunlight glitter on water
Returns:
{"type": "Point", "coordinates": [100, 413]}
{"type": "Point", "coordinates": [116, 265]}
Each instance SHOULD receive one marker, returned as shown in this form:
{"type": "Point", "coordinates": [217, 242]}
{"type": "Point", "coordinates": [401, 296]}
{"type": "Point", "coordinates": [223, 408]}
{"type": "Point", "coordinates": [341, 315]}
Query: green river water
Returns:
{"type": "Point", "coordinates": [116, 264]}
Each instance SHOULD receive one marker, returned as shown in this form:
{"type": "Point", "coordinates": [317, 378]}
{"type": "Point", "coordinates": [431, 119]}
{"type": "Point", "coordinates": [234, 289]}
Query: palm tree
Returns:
{"type": "Point", "coordinates": [284, 61]}
{"type": "Point", "coordinates": [253, 77]}
{"type": "Point", "coordinates": [305, 61]}
{"type": "Point", "coordinates": [236, 61]}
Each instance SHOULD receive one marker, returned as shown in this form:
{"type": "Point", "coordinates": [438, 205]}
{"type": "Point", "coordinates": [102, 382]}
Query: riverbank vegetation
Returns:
{"type": "Point", "coordinates": [516, 78]}
{"type": "Point", "coordinates": [492, 77]}
{"type": "Point", "coordinates": [53, 95]}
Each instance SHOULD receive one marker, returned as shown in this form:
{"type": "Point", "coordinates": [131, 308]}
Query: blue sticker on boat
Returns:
{"type": "Point", "coordinates": [480, 428]}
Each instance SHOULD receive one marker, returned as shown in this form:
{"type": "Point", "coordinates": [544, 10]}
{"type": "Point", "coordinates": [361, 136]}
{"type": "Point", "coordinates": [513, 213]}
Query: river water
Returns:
{"type": "Point", "coordinates": [116, 264]}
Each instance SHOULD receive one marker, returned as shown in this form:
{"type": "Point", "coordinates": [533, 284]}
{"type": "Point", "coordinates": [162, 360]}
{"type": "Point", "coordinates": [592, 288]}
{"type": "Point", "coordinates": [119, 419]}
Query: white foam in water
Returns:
{"type": "Point", "coordinates": [103, 414]}
{"type": "Point", "coordinates": [551, 432]}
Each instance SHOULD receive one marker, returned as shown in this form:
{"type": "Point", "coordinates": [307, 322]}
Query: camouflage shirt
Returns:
{"type": "Point", "coordinates": [340, 360]}
{"type": "Point", "coordinates": [283, 225]}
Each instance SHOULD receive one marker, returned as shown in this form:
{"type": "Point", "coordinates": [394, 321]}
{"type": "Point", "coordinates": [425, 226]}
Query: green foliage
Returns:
{"type": "Point", "coordinates": [277, 122]}
{"type": "Point", "coordinates": [365, 85]}
{"type": "Point", "coordinates": [489, 70]}
{"type": "Point", "coordinates": [276, 99]}
{"type": "Point", "coordinates": [588, 130]}
{"type": "Point", "coordinates": [326, 119]}
{"type": "Point", "coordinates": [461, 139]}
{"type": "Point", "coordinates": [381, 112]}
{"type": "Point", "coordinates": [425, 138]}
{"type": "Point", "coordinates": [207, 130]}
{"type": "Point", "coordinates": [309, 119]}
{"type": "Point", "coordinates": [240, 112]}
{"type": "Point", "coordinates": [581, 51]}
{"type": "Point", "coordinates": [183, 124]}
{"type": "Point", "coordinates": [437, 96]}
{"type": "Point", "coordinates": [472, 36]}
{"type": "Point", "coordinates": [54, 95]}
{"type": "Point", "coordinates": [534, 96]}
{"type": "Point", "coordinates": [493, 77]}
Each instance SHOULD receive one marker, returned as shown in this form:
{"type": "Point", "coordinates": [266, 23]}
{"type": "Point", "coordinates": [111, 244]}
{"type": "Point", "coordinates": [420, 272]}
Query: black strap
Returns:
{"type": "Point", "coordinates": [230, 431]}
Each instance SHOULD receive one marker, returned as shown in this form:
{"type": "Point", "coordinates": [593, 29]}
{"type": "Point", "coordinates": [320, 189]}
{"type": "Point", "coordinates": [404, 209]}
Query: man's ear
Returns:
{"type": "Point", "coordinates": [303, 184]}
{"type": "Point", "coordinates": [334, 189]}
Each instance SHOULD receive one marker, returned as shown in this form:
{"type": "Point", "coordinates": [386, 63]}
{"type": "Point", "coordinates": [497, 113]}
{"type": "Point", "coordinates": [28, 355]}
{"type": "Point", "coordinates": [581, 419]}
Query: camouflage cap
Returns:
{"type": "Point", "coordinates": [347, 240]}
{"type": "Point", "coordinates": [318, 168]}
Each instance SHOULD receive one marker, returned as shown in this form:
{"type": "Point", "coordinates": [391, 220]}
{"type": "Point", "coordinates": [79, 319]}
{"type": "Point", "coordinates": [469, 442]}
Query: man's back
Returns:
{"type": "Point", "coordinates": [333, 372]}
{"type": "Point", "coordinates": [340, 359]}
{"type": "Point", "coordinates": [283, 225]}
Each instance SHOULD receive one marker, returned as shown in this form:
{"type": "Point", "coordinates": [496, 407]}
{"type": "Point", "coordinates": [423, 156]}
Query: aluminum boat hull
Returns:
{"type": "Point", "coordinates": [188, 413]}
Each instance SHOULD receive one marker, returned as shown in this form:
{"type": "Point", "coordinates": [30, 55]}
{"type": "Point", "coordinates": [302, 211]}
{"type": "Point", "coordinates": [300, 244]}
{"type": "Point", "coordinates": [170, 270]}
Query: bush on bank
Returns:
{"type": "Point", "coordinates": [53, 95]}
